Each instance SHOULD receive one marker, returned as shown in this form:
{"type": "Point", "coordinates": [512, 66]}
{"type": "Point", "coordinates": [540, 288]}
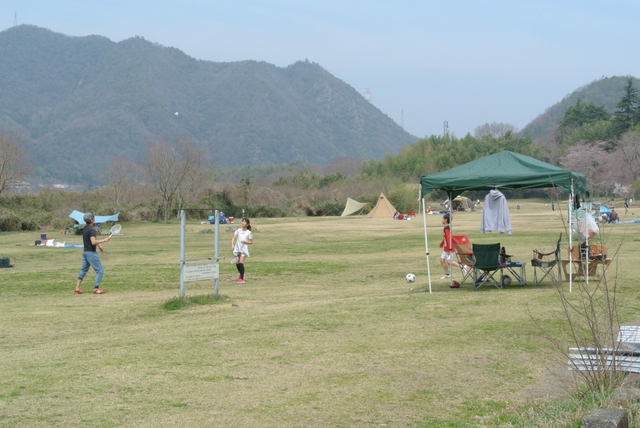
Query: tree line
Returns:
{"type": "Point", "coordinates": [175, 174]}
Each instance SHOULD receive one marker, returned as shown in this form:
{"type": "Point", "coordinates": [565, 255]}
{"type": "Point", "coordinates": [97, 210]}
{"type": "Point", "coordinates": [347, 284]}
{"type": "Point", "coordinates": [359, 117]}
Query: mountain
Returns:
{"type": "Point", "coordinates": [78, 102]}
{"type": "Point", "coordinates": [604, 92]}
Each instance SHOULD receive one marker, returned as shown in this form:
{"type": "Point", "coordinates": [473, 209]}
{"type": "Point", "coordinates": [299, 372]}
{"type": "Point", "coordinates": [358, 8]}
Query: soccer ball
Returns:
{"type": "Point", "coordinates": [506, 281]}
{"type": "Point", "coordinates": [410, 278]}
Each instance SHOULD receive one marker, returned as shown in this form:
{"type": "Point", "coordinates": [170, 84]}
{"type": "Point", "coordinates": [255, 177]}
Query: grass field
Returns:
{"type": "Point", "coordinates": [325, 333]}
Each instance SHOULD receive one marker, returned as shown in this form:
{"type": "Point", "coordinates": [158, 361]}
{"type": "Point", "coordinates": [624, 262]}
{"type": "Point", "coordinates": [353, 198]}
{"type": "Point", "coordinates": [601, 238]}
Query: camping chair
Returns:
{"type": "Point", "coordinates": [547, 262]}
{"type": "Point", "coordinates": [487, 264]}
{"type": "Point", "coordinates": [464, 255]}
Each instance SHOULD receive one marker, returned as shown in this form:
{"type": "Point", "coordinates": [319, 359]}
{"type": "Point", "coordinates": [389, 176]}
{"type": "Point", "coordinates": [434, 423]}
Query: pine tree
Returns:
{"type": "Point", "coordinates": [628, 109]}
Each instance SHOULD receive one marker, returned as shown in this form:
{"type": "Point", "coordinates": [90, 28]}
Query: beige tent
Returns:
{"type": "Point", "coordinates": [462, 204]}
{"type": "Point", "coordinates": [383, 208]}
{"type": "Point", "coordinates": [355, 206]}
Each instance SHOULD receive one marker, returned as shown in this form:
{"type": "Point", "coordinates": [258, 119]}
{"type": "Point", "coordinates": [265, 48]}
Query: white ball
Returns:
{"type": "Point", "coordinates": [176, 113]}
{"type": "Point", "coordinates": [410, 278]}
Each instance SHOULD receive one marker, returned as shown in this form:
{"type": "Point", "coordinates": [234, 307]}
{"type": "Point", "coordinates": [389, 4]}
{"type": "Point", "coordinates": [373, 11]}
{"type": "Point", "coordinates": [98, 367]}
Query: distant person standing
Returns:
{"type": "Point", "coordinates": [240, 242]}
{"type": "Point", "coordinates": [518, 205]}
{"type": "Point", "coordinates": [626, 206]}
{"type": "Point", "coordinates": [90, 257]}
{"type": "Point", "coordinates": [553, 206]}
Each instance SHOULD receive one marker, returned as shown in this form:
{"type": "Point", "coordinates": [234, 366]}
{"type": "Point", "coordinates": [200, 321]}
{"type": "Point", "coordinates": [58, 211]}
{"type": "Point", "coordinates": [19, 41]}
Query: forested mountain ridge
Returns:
{"type": "Point", "coordinates": [605, 92]}
{"type": "Point", "coordinates": [76, 97]}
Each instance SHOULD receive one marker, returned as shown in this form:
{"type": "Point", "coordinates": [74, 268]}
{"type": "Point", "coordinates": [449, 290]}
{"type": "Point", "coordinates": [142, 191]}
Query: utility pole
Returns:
{"type": "Point", "coordinates": [367, 95]}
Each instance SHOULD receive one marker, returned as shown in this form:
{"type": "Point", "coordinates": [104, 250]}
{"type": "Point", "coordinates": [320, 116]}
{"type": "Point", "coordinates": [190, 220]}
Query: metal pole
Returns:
{"type": "Point", "coordinates": [571, 207]}
{"type": "Point", "coordinates": [217, 250]}
{"type": "Point", "coordinates": [183, 221]}
{"type": "Point", "coordinates": [426, 243]}
{"type": "Point", "coordinates": [450, 237]}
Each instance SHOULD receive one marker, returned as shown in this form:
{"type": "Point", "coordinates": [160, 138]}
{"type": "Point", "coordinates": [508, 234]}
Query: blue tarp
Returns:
{"type": "Point", "coordinates": [99, 219]}
{"type": "Point", "coordinates": [604, 210]}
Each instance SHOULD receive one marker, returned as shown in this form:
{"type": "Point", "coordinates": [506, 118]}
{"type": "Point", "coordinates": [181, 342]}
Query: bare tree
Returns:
{"type": "Point", "coordinates": [12, 161]}
{"type": "Point", "coordinates": [173, 168]}
{"type": "Point", "coordinates": [591, 160]}
{"type": "Point", "coordinates": [122, 174]}
{"type": "Point", "coordinates": [346, 166]}
{"type": "Point", "coordinates": [494, 129]}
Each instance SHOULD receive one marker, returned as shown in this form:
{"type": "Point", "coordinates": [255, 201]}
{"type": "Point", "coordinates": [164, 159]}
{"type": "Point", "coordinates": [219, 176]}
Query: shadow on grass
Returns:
{"type": "Point", "coordinates": [177, 303]}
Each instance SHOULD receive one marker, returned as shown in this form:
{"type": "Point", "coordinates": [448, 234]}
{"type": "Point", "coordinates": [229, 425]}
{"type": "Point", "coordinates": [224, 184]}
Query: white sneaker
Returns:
{"type": "Point", "coordinates": [447, 276]}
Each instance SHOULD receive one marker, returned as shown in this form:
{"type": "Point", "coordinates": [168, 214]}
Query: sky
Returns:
{"type": "Point", "coordinates": [424, 63]}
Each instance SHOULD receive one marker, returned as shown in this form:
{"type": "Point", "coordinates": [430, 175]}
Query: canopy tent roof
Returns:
{"type": "Point", "coordinates": [503, 170]}
{"type": "Point", "coordinates": [355, 206]}
{"type": "Point", "coordinates": [99, 219]}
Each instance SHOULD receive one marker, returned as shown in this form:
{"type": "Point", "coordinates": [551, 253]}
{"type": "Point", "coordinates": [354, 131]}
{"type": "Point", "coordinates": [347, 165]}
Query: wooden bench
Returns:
{"type": "Point", "coordinates": [579, 265]}
{"type": "Point", "coordinates": [627, 360]}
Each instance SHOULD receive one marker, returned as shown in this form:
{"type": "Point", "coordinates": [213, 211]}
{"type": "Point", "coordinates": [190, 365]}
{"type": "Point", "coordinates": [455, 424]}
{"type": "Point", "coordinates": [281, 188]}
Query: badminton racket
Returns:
{"type": "Point", "coordinates": [115, 230]}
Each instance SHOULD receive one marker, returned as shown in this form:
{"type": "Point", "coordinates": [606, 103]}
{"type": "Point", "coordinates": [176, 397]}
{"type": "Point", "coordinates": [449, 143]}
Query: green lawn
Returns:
{"type": "Point", "coordinates": [326, 332]}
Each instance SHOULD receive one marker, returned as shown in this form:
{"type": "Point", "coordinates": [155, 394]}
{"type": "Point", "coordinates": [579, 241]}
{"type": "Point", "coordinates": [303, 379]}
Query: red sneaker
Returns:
{"type": "Point", "coordinates": [240, 281]}
{"type": "Point", "coordinates": [77, 292]}
{"type": "Point", "coordinates": [98, 291]}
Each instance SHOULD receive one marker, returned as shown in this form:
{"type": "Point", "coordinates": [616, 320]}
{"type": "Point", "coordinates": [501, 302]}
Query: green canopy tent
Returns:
{"type": "Point", "coordinates": [502, 170]}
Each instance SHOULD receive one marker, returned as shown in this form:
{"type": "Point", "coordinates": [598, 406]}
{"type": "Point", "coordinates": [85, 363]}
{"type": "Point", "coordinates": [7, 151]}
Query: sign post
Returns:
{"type": "Point", "coordinates": [198, 269]}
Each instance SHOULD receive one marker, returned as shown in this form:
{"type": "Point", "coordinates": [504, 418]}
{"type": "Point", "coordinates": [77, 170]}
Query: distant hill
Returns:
{"type": "Point", "coordinates": [607, 91]}
{"type": "Point", "coordinates": [87, 98]}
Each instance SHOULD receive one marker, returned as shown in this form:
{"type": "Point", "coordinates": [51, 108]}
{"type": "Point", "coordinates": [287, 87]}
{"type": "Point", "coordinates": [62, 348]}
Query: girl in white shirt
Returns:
{"type": "Point", "coordinates": [240, 242]}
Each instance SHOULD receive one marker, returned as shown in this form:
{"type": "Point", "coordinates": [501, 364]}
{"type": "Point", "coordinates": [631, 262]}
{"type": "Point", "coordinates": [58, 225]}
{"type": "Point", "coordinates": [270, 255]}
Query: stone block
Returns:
{"type": "Point", "coordinates": [606, 418]}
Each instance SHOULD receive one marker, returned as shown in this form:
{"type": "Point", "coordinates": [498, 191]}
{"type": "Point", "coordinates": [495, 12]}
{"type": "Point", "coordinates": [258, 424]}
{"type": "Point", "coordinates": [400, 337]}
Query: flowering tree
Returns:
{"type": "Point", "coordinates": [591, 160]}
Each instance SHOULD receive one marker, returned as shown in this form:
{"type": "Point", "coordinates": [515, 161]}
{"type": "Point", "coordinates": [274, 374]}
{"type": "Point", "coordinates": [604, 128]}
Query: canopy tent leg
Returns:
{"type": "Point", "coordinates": [450, 236]}
{"type": "Point", "coordinates": [570, 207]}
{"type": "Point", "coordinates": [426, 243]}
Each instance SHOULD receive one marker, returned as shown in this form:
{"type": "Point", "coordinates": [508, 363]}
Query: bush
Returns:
{"type": "Point", "coordinates": [326, 208]}
{"type": "Point", "coordinates": [404, 200]}
{"type": "Point", "coordinates": [9, 222]}
{"type": "Point", "coordinates": [264, 211]}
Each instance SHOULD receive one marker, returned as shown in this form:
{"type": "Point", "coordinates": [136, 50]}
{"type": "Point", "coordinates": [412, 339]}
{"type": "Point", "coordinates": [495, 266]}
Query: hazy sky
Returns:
{"type": "Point", "coordinates": [467, 62]}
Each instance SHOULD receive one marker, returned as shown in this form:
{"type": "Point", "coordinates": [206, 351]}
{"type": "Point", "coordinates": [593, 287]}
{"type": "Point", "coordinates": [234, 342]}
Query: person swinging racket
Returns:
{"type": "Point", "coordinates": [90, 257]}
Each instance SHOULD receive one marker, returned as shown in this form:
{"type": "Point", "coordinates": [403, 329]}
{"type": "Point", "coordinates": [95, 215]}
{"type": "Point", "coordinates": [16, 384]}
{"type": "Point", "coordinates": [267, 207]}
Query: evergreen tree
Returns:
{"type": "Point", "coordinates": [581, 114]}
{"type": "Point", "coordinates": [628, 109]}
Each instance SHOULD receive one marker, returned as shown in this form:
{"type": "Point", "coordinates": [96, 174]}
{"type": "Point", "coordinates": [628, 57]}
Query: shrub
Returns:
{"type": "Point", "coordinates": [9, 222]}
{"type": "Point", "coordinates": [264, 211]}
